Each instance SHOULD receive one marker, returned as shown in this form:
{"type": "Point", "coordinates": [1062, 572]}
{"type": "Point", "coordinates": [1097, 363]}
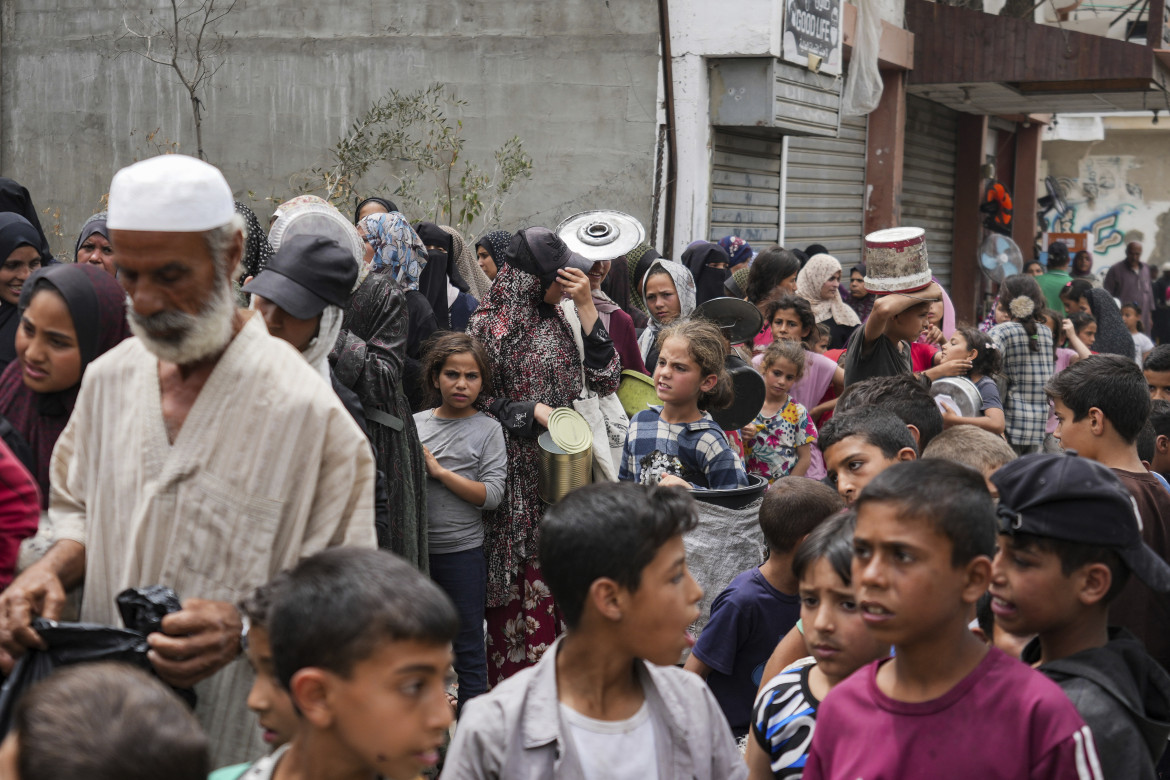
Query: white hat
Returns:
{"type": "Point", "coordinates": [172, 193]}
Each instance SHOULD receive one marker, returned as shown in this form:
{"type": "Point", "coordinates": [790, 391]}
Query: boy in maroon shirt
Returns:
{"type": "Point", "coordinates": [946, 704]}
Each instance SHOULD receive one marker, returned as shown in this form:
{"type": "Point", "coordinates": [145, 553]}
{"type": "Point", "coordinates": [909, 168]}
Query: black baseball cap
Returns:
{"type": "Point", "coordinates": [550, 252]}
{"type": "Point", "coordinates": [305, 275]}
{"type": "Point", "coordinates": [1078, 500]}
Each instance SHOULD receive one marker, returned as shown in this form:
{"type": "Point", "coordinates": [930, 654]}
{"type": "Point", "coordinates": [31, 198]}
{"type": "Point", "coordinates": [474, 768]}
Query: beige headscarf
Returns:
{"type": "Point", "coordinates": [809, 281]}
{"type": "Point", "coordinates": [463, 256]}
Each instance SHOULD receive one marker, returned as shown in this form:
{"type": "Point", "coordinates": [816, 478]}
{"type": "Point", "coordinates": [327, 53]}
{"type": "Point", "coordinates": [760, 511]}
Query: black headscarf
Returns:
{"type": "Point", "coordinates": [496, 244]}
{"type": "Point", "coordinates": [389, 205]}
{"type": "Point", "coordinates": [97, 306]}
{"type": "Point", "coordinates": [432, 283]}
{"type": "Point", "coordinates": [708, 281]}
{"type": "Point", "coordinates": [433, 235]}
{"type": "Point", "coordinates": [15, 199]}
{"type": "Point", "coordinates": [15, 232]}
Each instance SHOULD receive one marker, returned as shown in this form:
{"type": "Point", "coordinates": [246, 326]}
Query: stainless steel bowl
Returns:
{"type": "Point", "coordinates": [962, 391]}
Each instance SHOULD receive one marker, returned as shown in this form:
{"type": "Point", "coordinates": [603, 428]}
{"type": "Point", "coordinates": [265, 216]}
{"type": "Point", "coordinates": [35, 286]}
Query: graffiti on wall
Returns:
{"type": "Point", "coordinates": [1105, 203]}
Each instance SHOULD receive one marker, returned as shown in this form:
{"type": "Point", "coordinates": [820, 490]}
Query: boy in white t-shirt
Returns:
{"type": "Point", "coordinates": [605, 701]}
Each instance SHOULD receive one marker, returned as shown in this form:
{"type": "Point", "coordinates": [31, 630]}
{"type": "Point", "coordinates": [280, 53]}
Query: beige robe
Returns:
{"type": "Point", "coordinates": [268, 468]}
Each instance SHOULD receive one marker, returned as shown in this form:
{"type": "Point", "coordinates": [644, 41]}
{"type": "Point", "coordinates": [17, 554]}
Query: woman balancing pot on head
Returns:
{"type": "Point", "coordinates": [536, 368]}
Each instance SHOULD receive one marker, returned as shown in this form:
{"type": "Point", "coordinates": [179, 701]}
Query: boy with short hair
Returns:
{"type": "Point", "coordinates": [860, 444]}
{"type": "Point", "coordinates": [273, 707]}
{"type": "Point", "coordinates": [362, 642]}
{"type": "Point", "coordinates": [605, 700]}
{"type": "Point", "coordinates": [1160, 422]}
{"type": "Point", "coordinates": [103, 721]}
{"type": "Point", "coordinates": [882, 347]}
{"type": "Point", "coordinates": [904, 396]}
{"type": "Point", "coordinates": [1156, 368]}
{"type": "Point", "coordinates": [761, 604]}
{"type": "Point", "coordinates": [972, 447]}
{"type": "Point", "coordinates": [1101, 404]}
{"type": "Point", "coordinates": [1057, 569]}
{"type": "Point", "coordinates": [946, 704]}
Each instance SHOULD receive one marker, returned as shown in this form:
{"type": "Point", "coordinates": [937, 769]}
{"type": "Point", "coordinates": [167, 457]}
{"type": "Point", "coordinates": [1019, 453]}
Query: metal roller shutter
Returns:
{"type": "Point", "coordinates": [825, 192]}
{"type": "Point", "coordinates": [928, 179]}
{"type": "Point", "coordinates": [745, 185]}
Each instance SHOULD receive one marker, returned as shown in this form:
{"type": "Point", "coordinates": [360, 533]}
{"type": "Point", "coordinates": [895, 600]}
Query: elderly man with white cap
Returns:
{"type": "Point", "coordinates": [205, 454]}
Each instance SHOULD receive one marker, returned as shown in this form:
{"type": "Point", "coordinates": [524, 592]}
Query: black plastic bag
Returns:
{"type": "Point", "coordinates": [142, 611]}
{"type": "Point", "coordinates": [68, 644]}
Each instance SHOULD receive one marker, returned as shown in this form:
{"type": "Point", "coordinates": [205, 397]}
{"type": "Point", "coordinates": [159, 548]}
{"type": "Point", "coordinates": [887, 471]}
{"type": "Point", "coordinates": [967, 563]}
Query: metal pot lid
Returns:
{"type": "Point", "coordinates": [569, 430]}
{"type": "Point", "coordinates": [749, 395]}
{"type": "Point", "coordinates": [960, 391]}
{"type": "Point", "coordinates": [739, 320]}
{"type": "Point", "coordinates": [601, 235]}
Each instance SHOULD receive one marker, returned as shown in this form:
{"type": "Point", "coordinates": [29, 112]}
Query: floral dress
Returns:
{"type": "Point", "coordinates": [533, 358]}
{"type": "Point", "coordinates": [771, 452]}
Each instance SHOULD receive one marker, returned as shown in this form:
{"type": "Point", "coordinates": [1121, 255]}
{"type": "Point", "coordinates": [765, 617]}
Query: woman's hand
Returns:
{"type": "Point", "coordinates": [670, 480]}
{"type": "Point", "coordinates": [576, 286]}
{"type": "Point", "coordinates": [541, 413]}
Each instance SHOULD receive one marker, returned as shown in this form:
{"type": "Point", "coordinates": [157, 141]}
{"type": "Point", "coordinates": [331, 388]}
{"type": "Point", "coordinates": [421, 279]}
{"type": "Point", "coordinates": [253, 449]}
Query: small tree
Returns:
{"type": "Point", "coordinates": [184, 37]}
{"type": "Point", "coordinates": [409, 138]}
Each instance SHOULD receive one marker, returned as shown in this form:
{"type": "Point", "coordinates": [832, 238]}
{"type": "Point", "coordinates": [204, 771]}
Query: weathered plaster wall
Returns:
{"type": "Point", "coordinates": [575, 79]}
{"type": "Point", "coordinates": [1118, 189]}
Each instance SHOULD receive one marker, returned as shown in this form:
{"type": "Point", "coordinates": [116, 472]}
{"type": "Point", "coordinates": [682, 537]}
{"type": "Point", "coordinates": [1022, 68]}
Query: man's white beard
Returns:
{"type": "Point", "coordinates": [181, 338]}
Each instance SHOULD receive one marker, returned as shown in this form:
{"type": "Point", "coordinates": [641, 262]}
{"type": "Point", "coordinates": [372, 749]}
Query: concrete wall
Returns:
{"type": "Point", "coordinates": [1118, 189]}
{"type": "Point", "coordinates": [575, 79]}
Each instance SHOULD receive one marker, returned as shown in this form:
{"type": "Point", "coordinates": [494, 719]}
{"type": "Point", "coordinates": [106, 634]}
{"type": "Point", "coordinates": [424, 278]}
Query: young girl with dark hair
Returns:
{"type": "Point", "coordinates": [1025, 346]}
{"type": "Point", "coordinates": [467, 463]}
{"type": "Point", "coordinates": [980, 352]}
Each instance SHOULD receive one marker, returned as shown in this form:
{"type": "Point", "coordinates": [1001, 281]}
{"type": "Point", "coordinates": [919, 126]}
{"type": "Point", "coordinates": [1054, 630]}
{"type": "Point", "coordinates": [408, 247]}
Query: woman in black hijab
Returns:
{"type": "Point", "coordinates": [20, 244]}
{"type": "Point", "coordinates": [15, 199]}
{"type": "Point", "coordinates": [440, 269]}
{"type": "Point", "coordinates": [710, 265]}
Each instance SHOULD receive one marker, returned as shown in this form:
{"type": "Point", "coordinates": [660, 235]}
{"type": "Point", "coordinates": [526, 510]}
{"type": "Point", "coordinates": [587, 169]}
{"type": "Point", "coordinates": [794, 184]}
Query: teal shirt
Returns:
{"type": "Point", "coordinates": [229, 772]}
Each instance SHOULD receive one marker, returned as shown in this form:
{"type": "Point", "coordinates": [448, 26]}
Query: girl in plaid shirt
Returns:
{"type": "Point", "coordinates": [1025, 344]}
{"type": "Point", "coordinates": [678, 443]}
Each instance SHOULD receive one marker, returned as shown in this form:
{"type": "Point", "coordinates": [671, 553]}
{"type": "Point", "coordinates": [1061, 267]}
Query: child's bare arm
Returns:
{"type": "Point", "coordinates": [693, 664]}
{"type": "Point", "coordinates": [803, 460]}
{"type": "Point", "coordinates": [759, 763]}
{"type": "Point", "coordinates": [889, 306]}
{"type": "Point", "coordinates": [790, 649]}
{"type": "Point", "coordinates": [1075, 342]}
{"type": "Point", "coordinates": [992, 420]}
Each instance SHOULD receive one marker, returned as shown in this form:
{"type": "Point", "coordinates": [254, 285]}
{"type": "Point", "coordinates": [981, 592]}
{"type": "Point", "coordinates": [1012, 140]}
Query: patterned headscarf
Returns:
{"type": "Point", "coordinates": [397, 248]}
{"type": "Point", "coordinates": [258, 251]}
{"type": "Point", "coordinates": [818, 270]}
{"type": "Point", "coordinates": [639, 258]}
{"type": "Point", "coordinates": [464, 260]}
{"type": "Point", "coordinates": [739, 250]}
{"type": "Point", "coordinates": [496, 244]}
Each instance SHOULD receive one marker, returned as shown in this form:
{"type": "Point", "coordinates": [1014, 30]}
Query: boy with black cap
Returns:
{"type": "Point", "coordinates": [1058, 567]}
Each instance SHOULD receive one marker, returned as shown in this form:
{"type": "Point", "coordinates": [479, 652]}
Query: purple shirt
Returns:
{"type": "Point", "coordinates": [1003, 720]}
{"type": "Point", "coordinates": [747, 620]}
